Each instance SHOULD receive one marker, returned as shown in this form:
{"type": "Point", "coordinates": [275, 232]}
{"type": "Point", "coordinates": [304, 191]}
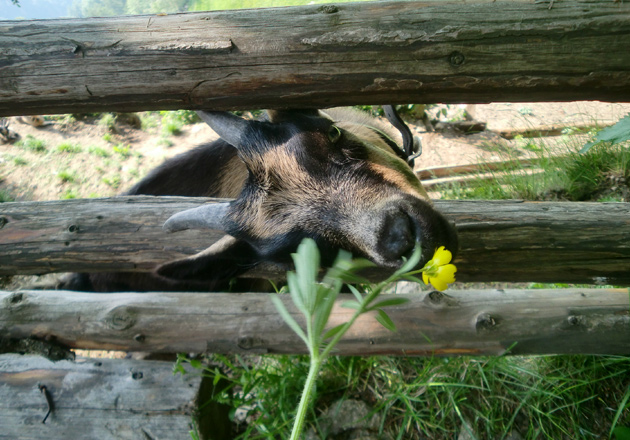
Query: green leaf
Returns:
{"type": "Point", "coordinates": [356, 293]}
{"type": "Point", "coordinates": [294, 291]}
{"type": "Point", "coordinates": [179, 368]}
{"type": "Point", "coordinates": [412, 262]}
{"type": "Point", "coordinates": [621, 433]}
{"type": "Point", "coordinates": [389, 302]}
{"type": "Point", "coordinates": [323, 310]}
{"type": "Point", "coordinates": [351, 305]}
{"type": "Point", "coordinates": [216, 379]}
{"type": "Point", "coordinates": [333, 331]}
{"type": "Point", "coordinates": [196, 364]}
{"type": "Point", "coordinates": [344, 270]}
{"type": "Point", "coordinates": [284, 313]}
{"type": "Point", "coordinates": [306, 268]}
{"type": "Point", "coordinates": [385, 321]}
{"type": "Point", "coordinates": [614, 134]}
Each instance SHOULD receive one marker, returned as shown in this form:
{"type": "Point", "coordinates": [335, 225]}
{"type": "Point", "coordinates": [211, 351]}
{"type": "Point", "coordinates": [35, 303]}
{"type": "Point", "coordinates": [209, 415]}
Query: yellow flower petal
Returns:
{"type": "Point", "coordinates": [446, 273]}
{"type": "Point", "coordinates": [442, 256]}
{"type": "Point", "coordinates": [439, 284]}
{"type": "Point", "coordinates": [425, 278]}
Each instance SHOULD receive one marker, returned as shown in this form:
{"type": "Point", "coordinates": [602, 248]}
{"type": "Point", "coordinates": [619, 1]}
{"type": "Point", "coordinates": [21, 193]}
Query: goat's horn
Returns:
{"type": "Point", "coordinates": [209, 216]}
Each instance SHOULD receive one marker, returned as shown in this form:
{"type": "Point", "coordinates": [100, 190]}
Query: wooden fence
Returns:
{"type": "Point", "coordinates": [470, 51]}
{"type": "Point", "coordinates": [319, 56]}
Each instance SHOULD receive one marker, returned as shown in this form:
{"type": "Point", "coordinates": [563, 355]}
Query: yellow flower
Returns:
{"type": "Point", "coordinates": [438, 271]}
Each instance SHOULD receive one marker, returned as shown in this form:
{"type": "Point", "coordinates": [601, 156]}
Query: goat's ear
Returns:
{"type": "Point", "coordinates": [222, 261]}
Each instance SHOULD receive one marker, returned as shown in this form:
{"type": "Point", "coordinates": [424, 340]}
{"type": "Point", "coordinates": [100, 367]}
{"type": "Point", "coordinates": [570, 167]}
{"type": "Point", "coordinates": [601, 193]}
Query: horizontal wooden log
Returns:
{"type": "Point", "coordinates": [499, 240]}
{"type": "Point", "coordinates": [319, 56]}
{"type": "Point", "coordinates": [95, 399]}
{"type": "Point", "coordinates": [471, 322]}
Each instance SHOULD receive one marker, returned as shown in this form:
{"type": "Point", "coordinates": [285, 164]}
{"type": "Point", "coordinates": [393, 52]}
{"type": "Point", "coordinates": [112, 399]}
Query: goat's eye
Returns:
{"type": "Point", "coordinates": [333, 134]}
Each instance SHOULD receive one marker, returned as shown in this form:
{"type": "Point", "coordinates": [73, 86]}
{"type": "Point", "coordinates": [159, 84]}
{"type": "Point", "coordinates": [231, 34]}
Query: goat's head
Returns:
{"type": "Point", "coordinates": [340, 183]}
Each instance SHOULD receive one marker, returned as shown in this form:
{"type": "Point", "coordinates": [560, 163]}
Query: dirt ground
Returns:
{"type": "Point", "coordinates": [104, 162]}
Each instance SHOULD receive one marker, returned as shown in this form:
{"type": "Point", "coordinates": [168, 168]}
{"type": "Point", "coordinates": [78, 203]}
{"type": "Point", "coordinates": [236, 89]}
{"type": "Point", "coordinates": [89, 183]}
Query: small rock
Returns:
{"type": "Point", "coordinates": [514, 435]}
{"type": "Point", "coordinates": [466, 431]}
{"type": "Point", "coordinates": [349, 414]}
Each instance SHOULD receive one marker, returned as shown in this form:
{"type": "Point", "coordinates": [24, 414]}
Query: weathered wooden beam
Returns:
{"type": "Point", "coordinates": [472, 322]}
{"type": "Point", "coordinates": [319, 56]}
{"type": "Point", "coordinates": [499, 240]}
{"type": "Point", "coordinates": [96, 399]}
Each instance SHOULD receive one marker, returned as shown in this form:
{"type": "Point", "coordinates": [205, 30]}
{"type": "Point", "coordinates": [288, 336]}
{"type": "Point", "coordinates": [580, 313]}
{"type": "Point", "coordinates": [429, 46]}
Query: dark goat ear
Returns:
{"type": "Point", "coordinates": [222, 261]}
{"type": "Point", "coordinates": [229, 127]}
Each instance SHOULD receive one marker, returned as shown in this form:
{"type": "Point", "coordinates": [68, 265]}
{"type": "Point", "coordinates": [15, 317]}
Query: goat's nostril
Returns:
{"type": "Point", "coordinates": [397, 238]}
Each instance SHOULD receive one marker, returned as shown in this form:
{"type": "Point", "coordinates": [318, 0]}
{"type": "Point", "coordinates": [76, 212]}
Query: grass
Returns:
{"type": "Point", "coordinates": [174, 121]}
{"type": "Point", "coordinates": [547, 397]}
{"type": "Point", "coordinates": [98, 151]}
{"type": "Point", "coordinates": [68, 147]}
{"type": "Point", "coordinates": [113, 181]}
{"type": "Point", "coordinates": [32, 144]}
{"type": "Point", "coordinates": [601, 174]}
{"type": "Point", "coordinates": [6, 196]}
{"type": "Point", "coordinates": [67, 176]}
{"type": "Point", "coordinates": [123, 150]}
{"type": "Point", "coordinates": [69, 194]}
{"type": "Point", "coordinates": [108, 120]}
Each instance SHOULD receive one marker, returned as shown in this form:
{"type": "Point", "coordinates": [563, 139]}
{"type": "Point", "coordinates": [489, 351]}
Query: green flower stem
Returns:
{"type": "Point", "coordinates": [313, 371]}
{"type": "Point", "coordinates": [317, 359]}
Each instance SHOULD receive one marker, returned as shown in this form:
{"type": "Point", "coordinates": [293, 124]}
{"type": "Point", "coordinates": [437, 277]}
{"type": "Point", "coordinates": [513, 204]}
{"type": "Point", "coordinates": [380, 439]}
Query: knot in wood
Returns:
{"type": "Point", "coordinates": [3, 221]}
{"type": "Point", "coordinates": [328, 9]}
{"type": "Point", "coordinates": [14, 301]}
{"type": "Point", "coordinates": [250, 342]}
{"type": "Point", "coordinates": [121, 319]}
{"type": "Point", "coordinates": [73, 228]}
{"type": "Point", "coordinates": [15, 298]}
{"type": "Point", "coordinates": [456, 58]}
{"type": "Point", "coordinates": [575, 321]}
{"type": "Point", "coordinates": [438, 298]}
{"type": "Point", "coordinates": [486, 322]}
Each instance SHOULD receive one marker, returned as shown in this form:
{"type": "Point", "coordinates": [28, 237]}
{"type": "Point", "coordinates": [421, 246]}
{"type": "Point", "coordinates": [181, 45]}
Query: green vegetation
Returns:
{"type": "Point", "coordinates": [32, 144]}
{"type": "Point", "coordinates": [618, 133]}
{"type": "Point", "coordinates": [113, 181]}
{"type": "Point", "coordinates": [546, 397]}
{"type": "Point", "coordinates": [600, 174]}
{"type": "Point", "coordinates": [173, 122]}
{"type": "Point", "coordinates": [316, 299]}
{"type": "Point", "coordinates": [69, 194]}
{"type": "Point", "coordinates": [68, 147]}
{"type": "Point", "coordinates": [108, 120]}
{"type": "Point", "coordinates": [20, 161]}
{"type": "Point", "coordinates": [6, 196]}
{"type": "Point", "coordinates": [98, 151]}
{"type": "Point", "coordinates": [123, 150]}
{"type": "Point", "coordinates": [67, 176]}
{"type": "Point", "coordinates": [165, 142]}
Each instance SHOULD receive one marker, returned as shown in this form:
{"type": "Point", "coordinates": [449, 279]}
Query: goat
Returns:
{"type": "Point", "coordinates": [337, 176]}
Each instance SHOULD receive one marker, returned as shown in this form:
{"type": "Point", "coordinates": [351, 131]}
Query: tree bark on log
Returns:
{"type": "Point", "coordinates": [510, 241]}
{"type": "Point", "coordinates": [97, 399]}
{"type": "Point", "coordinates": [468, 322]}
{"type": "Point", "coordinates": [319, 56]}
